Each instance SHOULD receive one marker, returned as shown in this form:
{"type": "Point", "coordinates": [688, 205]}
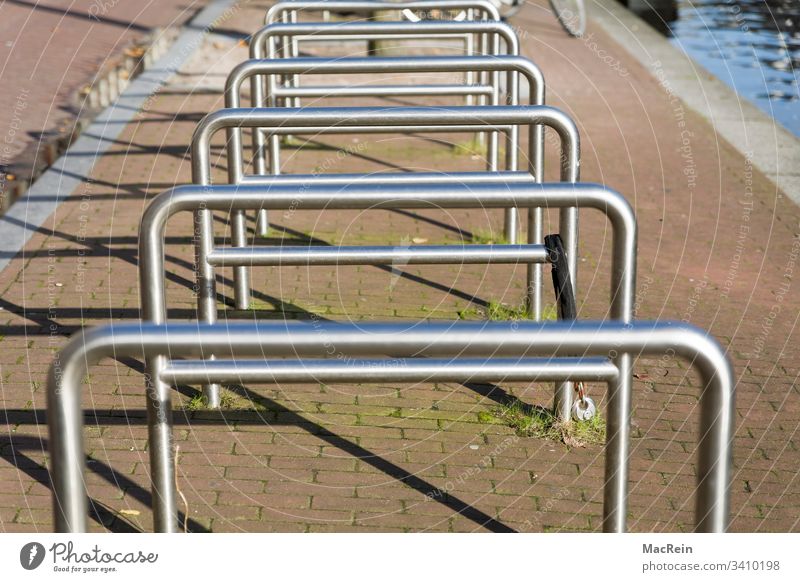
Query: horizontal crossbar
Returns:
{"type": "Point", "coordinates": [274, 256]}
{"type": "Point", "coordinates": [399, 370]}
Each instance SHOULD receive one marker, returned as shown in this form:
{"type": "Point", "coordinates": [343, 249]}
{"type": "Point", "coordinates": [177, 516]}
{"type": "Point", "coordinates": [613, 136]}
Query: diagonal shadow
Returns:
{"type": "Point", "coordinates": [85, 16]}
{"type": "Point", "coordinates": [391, 469]}
{"type": "Point", "coordinates": [393, 270]}
{"type": "Point", "coordinates": [214, 418]}
{"type": "Point", "coordinates": [97, 511]}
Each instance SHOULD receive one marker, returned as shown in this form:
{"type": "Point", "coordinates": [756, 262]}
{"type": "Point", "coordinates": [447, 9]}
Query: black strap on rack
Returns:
{"type": "Point", "coordinates": [562, 283]}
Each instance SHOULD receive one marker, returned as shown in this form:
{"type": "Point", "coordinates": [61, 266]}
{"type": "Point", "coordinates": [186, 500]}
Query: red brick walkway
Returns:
{"type": "Point", "coordinates": [717, 247]}
{"type": "Point", "coordinates": [51, 49]}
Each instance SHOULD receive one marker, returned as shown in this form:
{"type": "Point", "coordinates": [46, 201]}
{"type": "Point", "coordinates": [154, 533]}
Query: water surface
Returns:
{"type": "Point", "coordinates": [752, 45]}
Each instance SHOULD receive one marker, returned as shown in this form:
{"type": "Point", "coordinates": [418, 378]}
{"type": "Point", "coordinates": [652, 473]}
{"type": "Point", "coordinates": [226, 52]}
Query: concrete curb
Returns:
{"type": "Point", "coordinates": [772, 149]}
{"type": "Point", "coordinates": [31, 211]}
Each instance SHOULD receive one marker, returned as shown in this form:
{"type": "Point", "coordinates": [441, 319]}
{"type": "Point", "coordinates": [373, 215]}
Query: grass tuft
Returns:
{"type": "Point", "coordinates": [537, 422]}
{"type": "Point", "coordinates": [227, 401]}
{"type": "Point", "coordinates": [489, 237]}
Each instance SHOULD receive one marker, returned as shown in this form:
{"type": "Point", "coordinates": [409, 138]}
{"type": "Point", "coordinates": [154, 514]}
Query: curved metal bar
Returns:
{"type": "Point", "coordinates": [445, 340]}
{"type": "Point", "coordinates": [482, 9]}
{"type": "Point", "coordinates": [306, 120]}
{"type": "Point", "coordinates": [311, 196]}
{"type": "Point", "coordinates": [341, 119]}
{"type": "Point", "coordinates": [263, 44]}
{"type": "Point", "coordinates": [255, 68]}
{"type": "Point", "coordinates": [261, 39]}
{"type": "Point", "coordinates": [269, 68]}
{"type": "Point", "coordinates": [398, 195]}
{"type": "Point", "coordinates": [277, 10]}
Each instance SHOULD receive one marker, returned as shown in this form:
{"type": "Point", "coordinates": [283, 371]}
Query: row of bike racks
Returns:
{"type": "Point", "coordinates": [211, 354]}
{"type": "Point", "coordinates": [265, 43]}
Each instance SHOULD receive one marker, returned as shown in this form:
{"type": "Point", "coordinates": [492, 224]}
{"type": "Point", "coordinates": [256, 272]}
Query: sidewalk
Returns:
{"type": "Point", "coordinates": [717, 248]}
{"type": "Point", "coordinates": [49, 52]}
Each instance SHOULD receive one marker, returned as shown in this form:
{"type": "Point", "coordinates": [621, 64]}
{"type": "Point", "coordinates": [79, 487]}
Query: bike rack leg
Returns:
{"type": "Point", "coordinates": [206, 287]}
{"type": "Point", "coordinates": [568, 227]}
{"type": "Point", "coordinates": [618, 435]}
{"type": "Point", "coordinates": [567, 307]}
{"type": "Point", "coordinates": [160, 443]}
{"type": "Point", "coordinates": [257, 89]}
{"type": "Point", "coordinates": [469, 78]}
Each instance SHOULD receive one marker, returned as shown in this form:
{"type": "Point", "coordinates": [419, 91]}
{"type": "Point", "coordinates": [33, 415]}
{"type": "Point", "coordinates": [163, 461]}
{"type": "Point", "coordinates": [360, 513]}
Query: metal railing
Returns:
{"type": "Point", "coordinates": [253, 69]}
{"type": "Point", "coordinates": [391, 119]}
{"type": "Point", "coordinates": [290, 8]}
{"type": "Point", "coordinates": [264, 44]}
{"type": "Point", "coordinates": [396, 195]}
{"type": "Point", "coordinates": [394, 119]}
{"type": "Point", "coordinates": [462, 350]}
{"type": "Point", "coordinates": [472, 10]}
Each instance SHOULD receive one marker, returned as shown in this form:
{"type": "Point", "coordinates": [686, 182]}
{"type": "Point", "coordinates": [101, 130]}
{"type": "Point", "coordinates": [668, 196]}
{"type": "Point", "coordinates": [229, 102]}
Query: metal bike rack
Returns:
{"type": "Point", "coordinates": [356, 119]}
{"type": "Point", "coordinates": [313, 196]}
{"type": "Point", "coordinates": [393, 119]}
{"type": "Point", "coordinates": [280, 11]}
{"type": "Point", "coordinates": [473, 9]}
{"type": "Point", "coordinates": [267, 68]}
{"type": "Point", "coordinates": [263, 43]}
{"type": "Point", "coordinates": [490, 350]}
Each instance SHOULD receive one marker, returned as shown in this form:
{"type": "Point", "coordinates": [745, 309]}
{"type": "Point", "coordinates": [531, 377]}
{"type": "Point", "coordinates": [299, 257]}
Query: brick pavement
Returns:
{"type": "Point", "coordinates": [717, 248]}
{"type": "Point", "coordinates": [50, 50]}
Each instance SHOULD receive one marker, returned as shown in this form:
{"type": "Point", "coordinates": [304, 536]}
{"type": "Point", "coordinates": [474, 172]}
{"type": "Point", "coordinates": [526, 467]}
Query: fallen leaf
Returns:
{"type": "Point", "coordinates": [130, 512]}
{"type": "Point", "coordinates": [418, 240]}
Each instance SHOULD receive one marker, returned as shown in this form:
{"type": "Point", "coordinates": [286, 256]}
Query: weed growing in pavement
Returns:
{"type": "Point", "coordinates": [538, 422]}
{"type": "Point", "coordinates": [496, 311]}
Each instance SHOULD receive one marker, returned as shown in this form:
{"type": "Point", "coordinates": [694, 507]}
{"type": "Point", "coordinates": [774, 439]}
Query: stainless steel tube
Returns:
{"type": "Point", "coordinates": [391, 178]}
{"type": "Point", "coordinates": [512, 65]}
{"type": "Point", "coordinates": [263, 43]}
{"type": "Point", "coordinates": [396, 195]}
{"type": "Point", "coordinates": [382, 255]}
{"type": "Point", "coordinates": [373, 90]}
{"type": "Point", "coordinates": [483, 7]}
{"type": "Point", "coordinates": [316, 196]}
{"type": "Point", "coordinates": [445, 340]}
{"type": "Point", "coordinates": [339, 119]}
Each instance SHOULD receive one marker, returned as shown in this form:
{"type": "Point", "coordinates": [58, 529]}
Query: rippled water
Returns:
{"type": "Point", "coordinates": [752, 45]}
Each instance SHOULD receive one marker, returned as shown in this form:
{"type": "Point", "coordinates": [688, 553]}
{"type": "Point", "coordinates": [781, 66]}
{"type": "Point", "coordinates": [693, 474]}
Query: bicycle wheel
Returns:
{"type": "Point", "coordinates": [571, 14]}
{"type": "Point", "coordinates": [508, 8]}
